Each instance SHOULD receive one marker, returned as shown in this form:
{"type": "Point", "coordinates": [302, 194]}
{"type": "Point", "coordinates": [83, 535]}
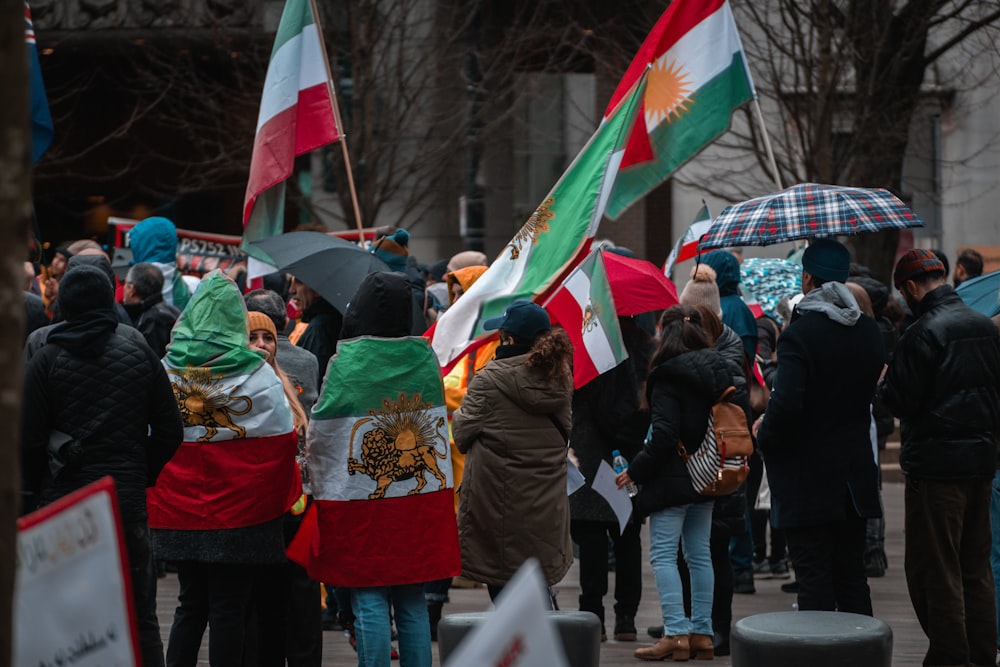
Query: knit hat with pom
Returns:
{"type": "Point", "coordinates": [702, 290]}
{"type": "Point", "coordinates": [393, 249]}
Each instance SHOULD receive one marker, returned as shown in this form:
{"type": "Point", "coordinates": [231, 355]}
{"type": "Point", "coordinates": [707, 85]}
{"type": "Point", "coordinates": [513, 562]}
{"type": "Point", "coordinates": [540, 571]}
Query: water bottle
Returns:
{"type": "Point", "coordinates": [620, 466]}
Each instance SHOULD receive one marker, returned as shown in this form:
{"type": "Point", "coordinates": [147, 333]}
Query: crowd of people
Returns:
{"type": "Point", "coordinates": [202, 406]}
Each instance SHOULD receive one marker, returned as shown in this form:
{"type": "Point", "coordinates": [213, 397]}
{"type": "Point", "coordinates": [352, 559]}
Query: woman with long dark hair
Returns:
{"type": "Point", "coordinates": [687, 376]}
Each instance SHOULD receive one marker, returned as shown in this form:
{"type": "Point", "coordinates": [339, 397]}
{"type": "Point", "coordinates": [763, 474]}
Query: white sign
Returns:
{"type": "Point", "coordinates": [72, 603]}
{"type": "Point", "coordinates": [519, 632]}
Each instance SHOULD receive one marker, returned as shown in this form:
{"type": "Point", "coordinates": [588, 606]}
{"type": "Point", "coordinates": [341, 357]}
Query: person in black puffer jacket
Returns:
{"type": "Point", "coordinates": [111, 398]}
{"type": "Point", "coordinates": [608, 415]}
{"type": "Point", "coordinates": [943, 383]}
{"type": "Point", "coordinates": [687, 377]}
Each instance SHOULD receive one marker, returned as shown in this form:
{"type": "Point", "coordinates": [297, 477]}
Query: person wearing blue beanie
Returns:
{"type": "Point", "coordinates": [393, 249]}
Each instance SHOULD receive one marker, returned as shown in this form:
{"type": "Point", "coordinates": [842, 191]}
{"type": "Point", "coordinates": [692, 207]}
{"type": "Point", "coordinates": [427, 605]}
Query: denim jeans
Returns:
{"type": "Point", "coordinates": [690, 526]}
{"type": "Point", "coordinates": [372, 629]}
{"type": "Point", "coordinates": [995, 549]}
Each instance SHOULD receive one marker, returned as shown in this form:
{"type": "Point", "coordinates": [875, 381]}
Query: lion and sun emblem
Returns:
{"type": "Point", "coordinates": [202, 401]}
{"type": "Point", "coordinates": [400, 444]}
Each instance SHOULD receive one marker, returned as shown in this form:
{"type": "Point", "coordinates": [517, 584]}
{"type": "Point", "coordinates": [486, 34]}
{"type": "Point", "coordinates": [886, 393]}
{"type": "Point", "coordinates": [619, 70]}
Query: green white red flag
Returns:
{"type": "Point", "coordinates": [296, 116]}
{"type": "Point", "coordinates": [687, 245]}
{"type": "Point", "coordinates": [236, 466]}
{"type": "Point", "coordinates": [380, 460]}
{"type": "Point", "coordinates": [697, 77]}
{"type": "Point", "coordinates": [556, 235]}
{"type": "Point", "coordinates": [585, 308]}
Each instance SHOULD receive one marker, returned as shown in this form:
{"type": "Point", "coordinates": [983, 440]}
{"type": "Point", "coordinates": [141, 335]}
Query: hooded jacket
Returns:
{"type": "Point", "coordinates": [380, 307]}
{"type": "Point", "coordinates": [735, 312]}
{"type": "Point", "coordinates": [815, 437]}
{"type": "Point", "coordinates": [513, 499]}
{"type": "Point", "coordinates": [943, 384]}
{"type": "Point", "coordinates": [154, 240]}
{"type": "Point", "coordinates": [681, 392]}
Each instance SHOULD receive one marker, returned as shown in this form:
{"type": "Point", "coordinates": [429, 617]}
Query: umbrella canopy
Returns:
{"type": "Point", "coordinates": [331, 266]}
{"type": "Point", "coordinates": [638, 286]}
{"type": "Point", "coordinates": [770, 280]}
{"type": "Point", "coordinates": [980, 293]}
{"type": "Point", "coordinates": [806, 211]}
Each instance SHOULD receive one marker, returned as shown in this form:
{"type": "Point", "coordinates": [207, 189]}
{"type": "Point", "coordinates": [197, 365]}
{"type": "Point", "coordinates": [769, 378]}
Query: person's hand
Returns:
{"type": "Point", "coordinates": [51, 289]}
{"type": "Point", "coordinates": [756, 425]}
{"type": "Point", "coordinates": [622, 479]}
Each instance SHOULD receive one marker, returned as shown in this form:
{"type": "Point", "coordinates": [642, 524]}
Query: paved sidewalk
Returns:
{"type": "Point", "coordinates": [891, 603]}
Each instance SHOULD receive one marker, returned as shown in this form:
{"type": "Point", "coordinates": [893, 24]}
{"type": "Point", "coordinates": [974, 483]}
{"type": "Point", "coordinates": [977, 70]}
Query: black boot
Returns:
{"type": "Point", "coordinates": [434, 609]}
{"type": "Point", "coordinates": [721, 642]}
{"type": "Point", "coordinates": [625, 628]}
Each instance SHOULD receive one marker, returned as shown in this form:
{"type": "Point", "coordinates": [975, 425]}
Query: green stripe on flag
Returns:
{"type": "Point", "coordinates": [363, 367]}
{"type": "Point", "coordinates": [676, 142]}
{"type": "Point", "coordinates": [604, 307]}
{"type": "Point", "coordinates": [297, 15]}
{"type": "Point", "coordinates": [557, 229]}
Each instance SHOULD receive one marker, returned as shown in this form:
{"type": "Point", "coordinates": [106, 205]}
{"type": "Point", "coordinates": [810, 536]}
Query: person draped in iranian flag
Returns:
{"type": "Point", "coordinates": [217, 508]}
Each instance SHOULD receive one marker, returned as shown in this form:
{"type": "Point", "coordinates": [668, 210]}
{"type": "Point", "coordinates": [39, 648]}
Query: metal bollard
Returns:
{"type": "Point", "coordinates": [579, 634]}
{"type": "Point", "coordinates": [813, 638]}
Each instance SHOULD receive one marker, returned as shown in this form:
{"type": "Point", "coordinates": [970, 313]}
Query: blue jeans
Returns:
{"type": "Point", "coordinates": [689, 526]}
{"type": "Point", "coordinates": [995, 549]}
{"type": "Point", "coordinates": [372, 628]}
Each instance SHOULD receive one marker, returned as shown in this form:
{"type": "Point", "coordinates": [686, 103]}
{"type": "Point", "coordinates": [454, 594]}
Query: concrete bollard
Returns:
{"type": "Point", "coordinates": [579, 634]}
{"type": "Point", "coordinates": [813, 638]}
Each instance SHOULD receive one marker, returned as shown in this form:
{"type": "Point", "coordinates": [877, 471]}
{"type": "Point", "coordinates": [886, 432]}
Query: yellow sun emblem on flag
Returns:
{"type": "Point", "coordinates": [668, 92]}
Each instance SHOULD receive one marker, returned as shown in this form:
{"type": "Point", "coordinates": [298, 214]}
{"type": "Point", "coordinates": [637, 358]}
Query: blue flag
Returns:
{"type": "Point", "coordinates": [41, 119]}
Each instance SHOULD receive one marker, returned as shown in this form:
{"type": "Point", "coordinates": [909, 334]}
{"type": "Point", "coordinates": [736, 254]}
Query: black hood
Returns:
{"type": "Point", "coordinates": [381, 307]}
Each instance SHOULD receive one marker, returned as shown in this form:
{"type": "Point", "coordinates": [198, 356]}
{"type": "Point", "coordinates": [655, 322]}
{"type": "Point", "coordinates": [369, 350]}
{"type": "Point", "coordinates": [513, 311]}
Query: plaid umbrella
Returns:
{"type": "Point", "coordinates": [805, 211]}
{"type": "Point", "coordinates": [770, 280]}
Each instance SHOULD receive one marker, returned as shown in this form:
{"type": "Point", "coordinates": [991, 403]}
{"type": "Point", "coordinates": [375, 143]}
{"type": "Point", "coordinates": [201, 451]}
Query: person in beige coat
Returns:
{"type": "Point", "coordinates": [513, 427]}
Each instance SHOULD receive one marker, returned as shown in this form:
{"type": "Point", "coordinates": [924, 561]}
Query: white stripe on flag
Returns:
{"type": "Point", "coordinates": [330, 443]}
{"type": "Point", "coordinates": [607, 187]}
{"type": "Point", "coordinates": [595, 338]}
{"type": "Point", "coordinates": [297, 65]}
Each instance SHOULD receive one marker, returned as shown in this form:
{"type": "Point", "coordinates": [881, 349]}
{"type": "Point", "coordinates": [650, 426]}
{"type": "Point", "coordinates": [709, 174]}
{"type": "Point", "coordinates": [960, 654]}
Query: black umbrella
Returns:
{"type": "Point", "coordinates": [331, 266]}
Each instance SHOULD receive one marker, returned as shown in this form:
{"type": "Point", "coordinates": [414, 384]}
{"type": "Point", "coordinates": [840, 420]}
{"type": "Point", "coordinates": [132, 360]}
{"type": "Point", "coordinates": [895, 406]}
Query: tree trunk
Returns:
{"type": "Point", "coordinates": [15, 207]}
{"type": "Point", "coordinates": [886, 48]}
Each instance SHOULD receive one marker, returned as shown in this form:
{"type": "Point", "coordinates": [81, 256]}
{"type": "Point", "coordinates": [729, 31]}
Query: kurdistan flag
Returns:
{"type": "Point", "coordinates": [548, 244]}
{"type": "Point", "coordinates": [583, 305]}
{"type": "Point", "coordinates": [380, 462]}
{"type": "Point", "coordinates": [296, 116]}
{"type": "Point", "coordinates": [698, 76]}
{"type": "Point", "coordinates": [236, 466]}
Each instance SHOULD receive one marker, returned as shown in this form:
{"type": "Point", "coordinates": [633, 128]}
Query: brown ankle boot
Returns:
{"type": "Point", "coordinates": [702, 647]}
{"type": "Point", "coordinates": [675, 648]}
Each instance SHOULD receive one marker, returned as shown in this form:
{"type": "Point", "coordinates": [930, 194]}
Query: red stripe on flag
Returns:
{"type": "Point", "coordinates": [385, 542]}
{"type": "Point", "coordinates": [228, 484]}
{"type": "Point", "coordinates": [298, 129]}
{"type": "Point", "coordinates": [679, 18]}
{"type": "Point", "coordinates": [565, 310]}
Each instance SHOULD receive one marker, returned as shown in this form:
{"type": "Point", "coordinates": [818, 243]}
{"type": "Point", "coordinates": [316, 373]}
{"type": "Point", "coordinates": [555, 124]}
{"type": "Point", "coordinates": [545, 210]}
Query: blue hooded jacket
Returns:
{"type": "Point", "coordinates": [735, 312]}
{"type": "Point", "coordinates": [154, 240]}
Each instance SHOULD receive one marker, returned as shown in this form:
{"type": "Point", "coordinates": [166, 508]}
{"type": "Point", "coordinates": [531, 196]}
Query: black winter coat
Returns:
{"type": "Point", "coordinates": [120, 406]}
{"type": "Point", "coordinates": [815, 437]}
{"type": "Point", "coordinates": [681, 392]}
{"type": "Point", "coordinates": [943, 384]}
{"type": "Point", "coordinates": [154, 318]}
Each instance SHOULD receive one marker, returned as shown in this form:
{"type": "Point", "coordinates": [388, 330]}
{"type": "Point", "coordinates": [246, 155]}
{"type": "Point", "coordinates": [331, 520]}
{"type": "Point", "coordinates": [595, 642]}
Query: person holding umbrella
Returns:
{"type": "Point", "coordinates": [814, 436]}
{"type": "Point", "coordinates": [323, 324]}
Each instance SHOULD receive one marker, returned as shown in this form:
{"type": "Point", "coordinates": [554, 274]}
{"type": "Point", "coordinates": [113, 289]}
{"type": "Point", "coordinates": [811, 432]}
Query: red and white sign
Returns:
{"type": "Point", "coordinates": [72, 594]}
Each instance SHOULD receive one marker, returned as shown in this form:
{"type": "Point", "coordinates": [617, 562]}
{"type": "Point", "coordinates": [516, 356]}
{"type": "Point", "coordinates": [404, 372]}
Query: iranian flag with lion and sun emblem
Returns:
{"type": "Point", "coordinates": [381, 469]}
{"type": "Point", "coordinates": [236, 466]}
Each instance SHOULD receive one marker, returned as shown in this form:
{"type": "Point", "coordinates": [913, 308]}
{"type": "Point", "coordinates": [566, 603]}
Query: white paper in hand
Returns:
{"type": "Point", "coordinates": [604, 484]}
{"type": "Point", "coordinates": [519, 632]}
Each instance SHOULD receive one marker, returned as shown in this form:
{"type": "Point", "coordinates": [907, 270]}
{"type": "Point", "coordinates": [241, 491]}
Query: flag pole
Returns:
{"type": "Point", "coordinates": [767, 144]}
{"type": "Point", "coordinates": [340, 126]}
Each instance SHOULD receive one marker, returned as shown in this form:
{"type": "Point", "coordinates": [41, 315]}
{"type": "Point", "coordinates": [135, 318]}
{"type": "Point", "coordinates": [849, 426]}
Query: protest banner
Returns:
{"type": "Point", "coordinates": [72, 594]}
